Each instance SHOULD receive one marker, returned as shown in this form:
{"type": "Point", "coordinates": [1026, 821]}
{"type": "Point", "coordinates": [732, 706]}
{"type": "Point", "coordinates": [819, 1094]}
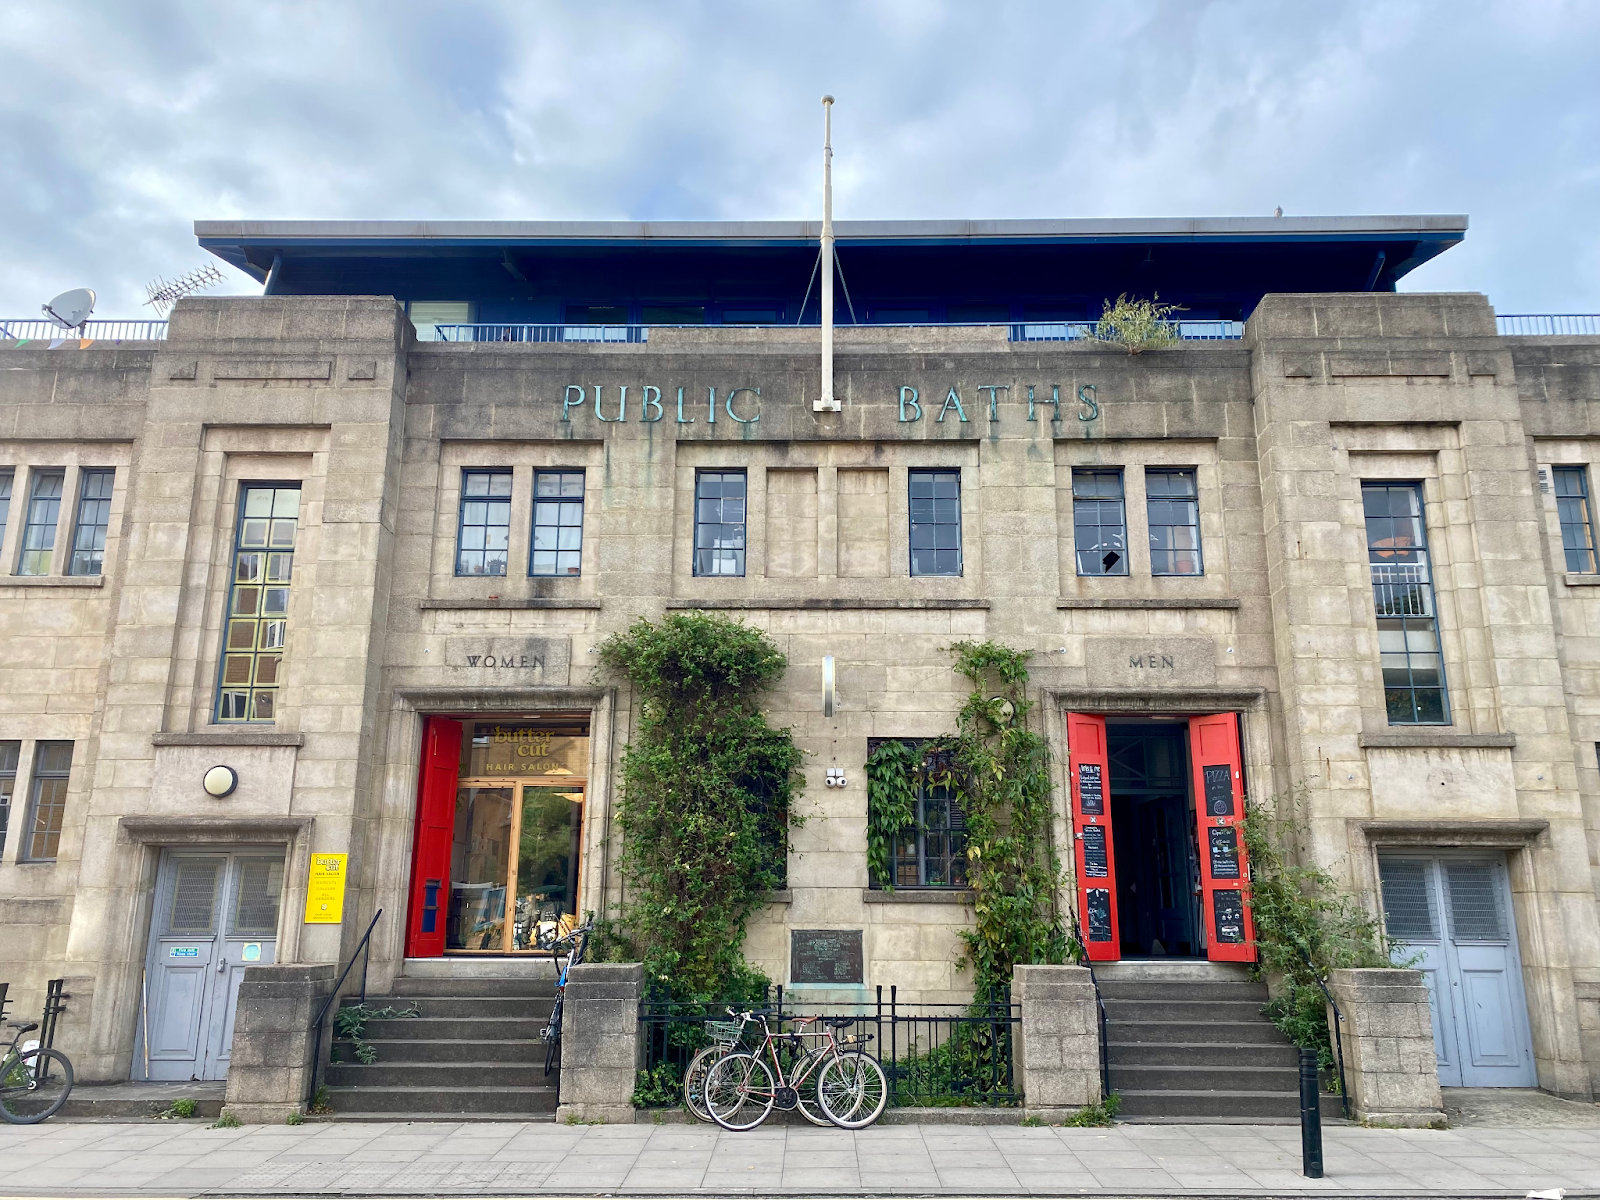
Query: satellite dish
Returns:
{"type": "Point", "coordinates": [70, 309]}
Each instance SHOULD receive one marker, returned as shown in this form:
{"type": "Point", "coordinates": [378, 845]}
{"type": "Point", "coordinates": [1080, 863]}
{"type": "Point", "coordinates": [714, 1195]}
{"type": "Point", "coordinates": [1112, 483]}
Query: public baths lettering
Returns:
{"type": "Point", "coordinates": [651, 407]}
{"type": "Point", "coordinates": [1153, 662]}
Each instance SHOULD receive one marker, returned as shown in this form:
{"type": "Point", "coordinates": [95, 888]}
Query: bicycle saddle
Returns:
{"type": "Point", "coordinates": [20, 1027]}
{"type": "Point", "coordinates": [840, 1022]}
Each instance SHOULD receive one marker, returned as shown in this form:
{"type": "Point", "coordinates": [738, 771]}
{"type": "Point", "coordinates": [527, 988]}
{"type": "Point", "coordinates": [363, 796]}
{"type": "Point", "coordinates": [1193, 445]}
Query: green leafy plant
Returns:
{"type": "Point", "coordinates": [321, 1105]}
{"type": "Point", "coordinates": [707, 797]}
{"type": "Point", "coordinates": [226, 1121]}
{"type": "Point", "coordinates": [1093, 1115]}
{"type": "Point", "coordinates": [296, 1119]}
{"type": "Point", "coordinates": [1137, 325]}
{"type": "Point", "coordinates": [1306, 923]}
{"type": "Point", "coordinates": [351, 1023]}
{"type": "Point", "coordinates": [895, 769]}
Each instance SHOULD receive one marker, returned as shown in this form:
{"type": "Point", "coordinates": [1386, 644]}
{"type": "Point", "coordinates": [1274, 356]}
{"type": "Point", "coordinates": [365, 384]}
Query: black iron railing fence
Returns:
{"type": "Point", "coordinates": [935, 1055]}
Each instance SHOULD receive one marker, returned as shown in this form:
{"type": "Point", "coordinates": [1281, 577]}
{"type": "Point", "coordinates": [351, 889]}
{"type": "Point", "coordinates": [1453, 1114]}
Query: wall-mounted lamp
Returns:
{"type": "Point", "coordinates": [835, 777]}
{"type": "Point", "coordinates": [827, 685]}
{"type": "Point", "coordinates": [220, 781]}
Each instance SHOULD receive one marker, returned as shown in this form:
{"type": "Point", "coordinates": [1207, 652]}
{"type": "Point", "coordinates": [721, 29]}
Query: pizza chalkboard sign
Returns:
{"type": "Point", "coordinates": [1224, 852]}
{"type": "Point", "coordinates": [1219, 790]}
{"type": "Point", "coordinates": [1227, 908]}
{"type": "Point", "coordinates": [1098, 902]}
{"type": "Point", "coordinates": [1095, 862]}
{"type": "Point", "coordinates": [825, 956]}
{"type": "Point", "coordinates": [1091, 792]}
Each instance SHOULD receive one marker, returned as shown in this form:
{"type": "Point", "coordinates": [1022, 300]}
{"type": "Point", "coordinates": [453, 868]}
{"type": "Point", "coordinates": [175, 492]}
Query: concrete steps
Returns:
{"type": "Point", "coordinates": [1187, 1040]}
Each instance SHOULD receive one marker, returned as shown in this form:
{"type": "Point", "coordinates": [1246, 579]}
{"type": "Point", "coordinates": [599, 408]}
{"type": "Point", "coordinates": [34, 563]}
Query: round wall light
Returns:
{"type": "Point", "coordinates": [220, 781]}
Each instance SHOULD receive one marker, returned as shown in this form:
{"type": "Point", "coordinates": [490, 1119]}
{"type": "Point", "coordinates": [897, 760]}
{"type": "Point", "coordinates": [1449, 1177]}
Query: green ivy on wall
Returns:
{"type": "Point", "coordinates": [1000, 773]}
{"type": "Point", "coordinates": [706, 799]}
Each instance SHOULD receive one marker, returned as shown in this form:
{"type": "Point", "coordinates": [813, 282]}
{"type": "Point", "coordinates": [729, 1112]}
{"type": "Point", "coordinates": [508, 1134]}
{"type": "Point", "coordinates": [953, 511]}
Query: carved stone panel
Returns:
{"type": "Point", "coordinates": [511, 661]}
{"type": "Point", "coordinates": [1152, 662]}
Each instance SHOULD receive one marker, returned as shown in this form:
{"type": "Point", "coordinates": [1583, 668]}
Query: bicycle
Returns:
{"type": "Point", "coordinates": [578, 941]}
{"type": "Point", "coordinates": [35, 1083]}
{"type": "Point", "coordinates": [850, 1089]}
{"type": "Point", "coordinates": [725, 1035]}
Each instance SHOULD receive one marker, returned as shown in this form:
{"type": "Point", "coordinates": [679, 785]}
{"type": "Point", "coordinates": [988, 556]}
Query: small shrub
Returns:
{"type": "Point", "coordinates": [226, 1121]}
{"type": "Point", "coordinates": [1094, 1115]}
{"type": "Point", "coordinates": [296, 1119]}
{"type": "Point", "coordinates": [320, 1105]}
{"type": "Point", "coordinates": [1137, 325]}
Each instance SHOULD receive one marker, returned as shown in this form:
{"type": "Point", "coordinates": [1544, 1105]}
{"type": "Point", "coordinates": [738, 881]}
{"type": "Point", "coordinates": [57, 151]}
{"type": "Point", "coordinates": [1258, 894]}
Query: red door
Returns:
{"type": "Point", "coordinates": [436, 816]}
{"type": "Point", "coordinates": [1219, 811]}
{"type": "Point", "coordinates": [1093, 854]}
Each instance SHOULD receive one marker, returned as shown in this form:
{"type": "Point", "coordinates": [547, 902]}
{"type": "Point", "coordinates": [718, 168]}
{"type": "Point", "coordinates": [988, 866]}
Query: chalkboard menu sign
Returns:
{"type": "Point", "coordinates": [1224, 852]}
{"type": "Point", "coordinates": [1095, 862]}
{"type": "Point", "coordinates": [1091, 793]}
{"type": "Point", "coordinates": [825, 956]}
{"type": "Point", "coordinates": [1098, 902]}
{"type": "Point", "coordinates": [1227, 907]}
{"type": "Point", "coordinates": [1219, 790]}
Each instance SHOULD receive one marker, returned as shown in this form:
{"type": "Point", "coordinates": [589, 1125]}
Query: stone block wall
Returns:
{"type": "Point", "coordinates": [601, 1046]}
{"type": "Point", "coordinates": [273, 1043]}
{"type": "Point", "coordinates": [1057, 1059]}
{"type": "Point", "coordinates": [1389, 1060]}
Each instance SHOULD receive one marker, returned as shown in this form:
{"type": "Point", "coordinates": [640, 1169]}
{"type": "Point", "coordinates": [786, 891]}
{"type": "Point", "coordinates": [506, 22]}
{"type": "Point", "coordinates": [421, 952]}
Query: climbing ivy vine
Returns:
{"type": "Point", "coordinates": [999, 771]}
{"type": "Point", "coordinates": [706, 799]}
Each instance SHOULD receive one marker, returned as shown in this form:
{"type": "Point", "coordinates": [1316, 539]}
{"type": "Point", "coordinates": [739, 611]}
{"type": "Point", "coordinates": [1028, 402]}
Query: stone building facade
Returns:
{"type": "Point", "coordinates": [385, 465]}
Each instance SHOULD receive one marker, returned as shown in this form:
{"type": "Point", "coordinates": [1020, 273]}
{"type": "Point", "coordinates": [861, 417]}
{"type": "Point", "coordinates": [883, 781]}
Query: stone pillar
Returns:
{"type": "Point", "coordinates": [1389, 1059]}
{"type": "Point", "coordinates": [269, 1071]}
{"type": "Point", "coordinates": [1058, 1042]}
{"type": "Point", "coordinates": [601, 1050]}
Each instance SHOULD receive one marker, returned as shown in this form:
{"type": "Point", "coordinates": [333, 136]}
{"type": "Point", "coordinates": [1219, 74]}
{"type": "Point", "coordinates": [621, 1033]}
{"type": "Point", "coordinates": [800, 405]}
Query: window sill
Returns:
{"type": "Point", "coordinates": [782, 896]}
{"type": "Point", "coordinates": [827, 604]}
{"type": "Point", "coordinates": [229, 737]}
{"type": "Point", "coordinates": [506, 602]}
{"type": "Point", "coordinates": [1575, 580]}
{"type": "Point", "coordinates": [1437, 739]}
{"type": "Point", "coordinates": [53, 581]}
{"type": "Point", "coordinates": [916, 896]}
{"type": "Point", "coordinates": [1150, 602]}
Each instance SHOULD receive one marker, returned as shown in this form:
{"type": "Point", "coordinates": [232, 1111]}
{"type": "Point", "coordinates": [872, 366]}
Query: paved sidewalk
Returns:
{"type": "Point", "coordinates": [350, 1158]}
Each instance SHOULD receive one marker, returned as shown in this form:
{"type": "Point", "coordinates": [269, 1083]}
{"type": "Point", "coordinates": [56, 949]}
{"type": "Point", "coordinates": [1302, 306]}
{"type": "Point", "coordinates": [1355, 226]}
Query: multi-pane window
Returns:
{"type": "Point", "coordinates": [10, 752]}
{"type": "Point", "coordinates": [39, 531]}
{"type": "Point", "coordinates": [1099, 522]}
{"type": "Point", "coordinates": [258, 604]}
{"type": "Point", "coordinates": [52, 767]}
{"type": "Point", "coordinates": [935, 522]}
{"type": "Point", "coordinates": [94, 515]}
{"type": "Point", "coordinates": [557, 523]}
{"type": "Point", "coordinates": [1577, 523]}
{"type": "Point", "coordinates": [1174, 508]}
{"type": "Point", "coordinates": [933, 852]}
{"type": "Point", "coordinates": [6, 479]}
{"type": "Point", "coordinates": [719, 517]}
{"type": "Point", "coordinates": [1402, 591]}
{"type": "Point", "coordinates": [484, 539]}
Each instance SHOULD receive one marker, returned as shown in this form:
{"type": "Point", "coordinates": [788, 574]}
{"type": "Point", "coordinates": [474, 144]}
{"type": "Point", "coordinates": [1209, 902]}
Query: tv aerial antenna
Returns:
{"type": "Point", "coordinates": [70, 309]}
{"type": "Point", "coordinates": [163, 294]}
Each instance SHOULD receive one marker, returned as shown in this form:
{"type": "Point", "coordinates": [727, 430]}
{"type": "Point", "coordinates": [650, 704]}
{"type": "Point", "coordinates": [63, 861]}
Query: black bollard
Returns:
{"type": "Point", "coordinates": [1310, 1117]}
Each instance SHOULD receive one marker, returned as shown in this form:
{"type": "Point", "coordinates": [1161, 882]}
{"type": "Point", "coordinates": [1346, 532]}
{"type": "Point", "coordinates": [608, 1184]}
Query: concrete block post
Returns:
{"type": "Point", "coordinates": [270, 1064]}
{"type": "Point", "coordinates": [1058, 1042]}
{"type": "Point", "coordinates": [1389, 1059]}
{"type": "Point", "coordinates": [601, 1046]}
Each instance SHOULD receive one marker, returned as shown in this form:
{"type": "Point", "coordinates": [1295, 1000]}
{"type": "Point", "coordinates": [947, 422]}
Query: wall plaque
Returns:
{"type": "Point", "coordinates": [1219, 790]}
{"type": "Point", "coordinates": [1098, 902]}
{"type": "Point", "coordinates": [1227, 910]}
{"type": "Point", "coordinates": [1091, 790]}
{"type": "Point", "coordinates": [1224, 852]}
{"type": "Point", "coordinates": [511, 661]}
{"type": "Point", "coordinates": [1095, 863]}
{"type": "Point", "coordinates": [825, 956]}
{"type": "Point", "coordinates": [1153, 662]}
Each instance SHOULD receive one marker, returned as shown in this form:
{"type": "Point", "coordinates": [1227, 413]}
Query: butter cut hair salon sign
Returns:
{"type": "Point", "coordinates": [325, 889]}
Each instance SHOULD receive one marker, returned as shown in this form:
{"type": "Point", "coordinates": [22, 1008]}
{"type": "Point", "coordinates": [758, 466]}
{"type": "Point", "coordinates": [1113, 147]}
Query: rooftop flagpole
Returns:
{"type": "Point", "coordinates": [828, 402]}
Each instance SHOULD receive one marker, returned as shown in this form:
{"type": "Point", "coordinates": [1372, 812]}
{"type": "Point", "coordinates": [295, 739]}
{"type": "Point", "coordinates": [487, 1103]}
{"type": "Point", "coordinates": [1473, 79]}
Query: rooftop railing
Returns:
{"type": "Point", "coordinates": [1548, 324]}
{"type": "Point", "coordinates": [40, 330]}
{"type": "Point", "coordinates": [1020, 331]}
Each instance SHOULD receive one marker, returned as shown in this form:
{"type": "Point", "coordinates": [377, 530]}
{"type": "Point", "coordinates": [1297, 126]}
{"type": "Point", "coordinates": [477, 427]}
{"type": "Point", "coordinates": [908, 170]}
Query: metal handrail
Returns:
{"type": "Point", "coordinates": [1338, 1021]}
{"type": "Point", "coordinates": [1547, 324]}
{"type": "Point", "coordinates": [1017, 331]}
{"type": "Point", "coordinates": [36, 329]}
{"type": "Point", "coordinates": [316, 1039]}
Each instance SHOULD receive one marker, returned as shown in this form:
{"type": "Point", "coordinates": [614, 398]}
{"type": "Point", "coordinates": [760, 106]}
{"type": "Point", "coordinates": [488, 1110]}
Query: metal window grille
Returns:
{"type": "Point", "coordinates": [483, 541]}
{"type": "Point", "coordinates": [52, 769]}
{"type": "Point", "coordinates": [39, 532]}
{"type": "Point", "coordinates": [934, 852]}
{"type": "Point", "coordinates": [1476, 914]}
{"type": "Point", "coordinates": [258, 603]}
{"type": "Point", "coordinates": [10, 755]}
{"type": "Point", "coordinates": [935, 522]}
{"type": "Point", "coordinates": [1173, 502]}
{"type": "Point", "coordinates": [192, 907]}
{"type": "Point", "coordinates": [1577, 523]}
{"type": "Point", "coordinates": [7, 478]}
{"type": "Point", "coordinates": [94, 516]}
{"type": "Point", "coordinates": [719, 519]}
{"type": "Point", "coordinates": [1099, 523]}
{"type": "Point", "coordinates": [1408, 911]}
{"type": "Point", "coordinates": [557, 523]}
{"type": "Point", "coordinates": [1402, 592]}
{"type": "Point", "coordinates": [257, 884]}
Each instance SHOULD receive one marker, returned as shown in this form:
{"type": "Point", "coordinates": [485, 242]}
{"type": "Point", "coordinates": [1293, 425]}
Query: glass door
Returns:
{"type": "Point", "coordinates": [516, 841]}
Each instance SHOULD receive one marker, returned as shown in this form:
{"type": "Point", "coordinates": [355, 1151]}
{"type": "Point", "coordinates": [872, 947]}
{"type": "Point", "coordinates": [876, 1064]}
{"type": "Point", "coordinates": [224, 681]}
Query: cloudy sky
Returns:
{"type": "Point", "coordinates": [121, 123]}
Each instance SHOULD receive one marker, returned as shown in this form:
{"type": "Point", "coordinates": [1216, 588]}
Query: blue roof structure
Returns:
{"type": "Point", "coordinates": [892, 272]}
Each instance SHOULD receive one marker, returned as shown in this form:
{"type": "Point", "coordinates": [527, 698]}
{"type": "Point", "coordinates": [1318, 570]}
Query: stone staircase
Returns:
{"type": "Point", "coordinates": [475, 1052]}
{"type": "Point", "coordinates": [1186, 1041]}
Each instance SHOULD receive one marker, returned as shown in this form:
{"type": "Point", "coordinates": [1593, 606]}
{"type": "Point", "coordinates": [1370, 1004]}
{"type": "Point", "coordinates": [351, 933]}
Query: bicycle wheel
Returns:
{"type": "Point", "coordinates": [738, 1086]}
{"type": "Point", "coordinates": [806, 1074]}
{"type": "Point", "coordinates": [34, 1085]}
{"type": "Point", "coordinates": [694, 1081]}
{"type": "Point", "coordinates": [852, 1090]}
{"type": "Point", "coordinates": [552, 1038]}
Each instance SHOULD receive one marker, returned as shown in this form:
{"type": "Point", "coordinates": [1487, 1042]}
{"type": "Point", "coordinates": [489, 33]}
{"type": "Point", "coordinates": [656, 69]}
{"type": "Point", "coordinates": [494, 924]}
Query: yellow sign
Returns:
{"type": "Point", "coordinates": [325, 889]}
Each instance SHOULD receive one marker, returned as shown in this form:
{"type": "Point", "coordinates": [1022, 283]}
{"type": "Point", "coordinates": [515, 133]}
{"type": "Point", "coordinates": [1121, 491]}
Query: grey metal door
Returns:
{"type": "Point", "coordinates": [1452, 912]}
{"type": "Point", "coordinates": [215, 915]}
